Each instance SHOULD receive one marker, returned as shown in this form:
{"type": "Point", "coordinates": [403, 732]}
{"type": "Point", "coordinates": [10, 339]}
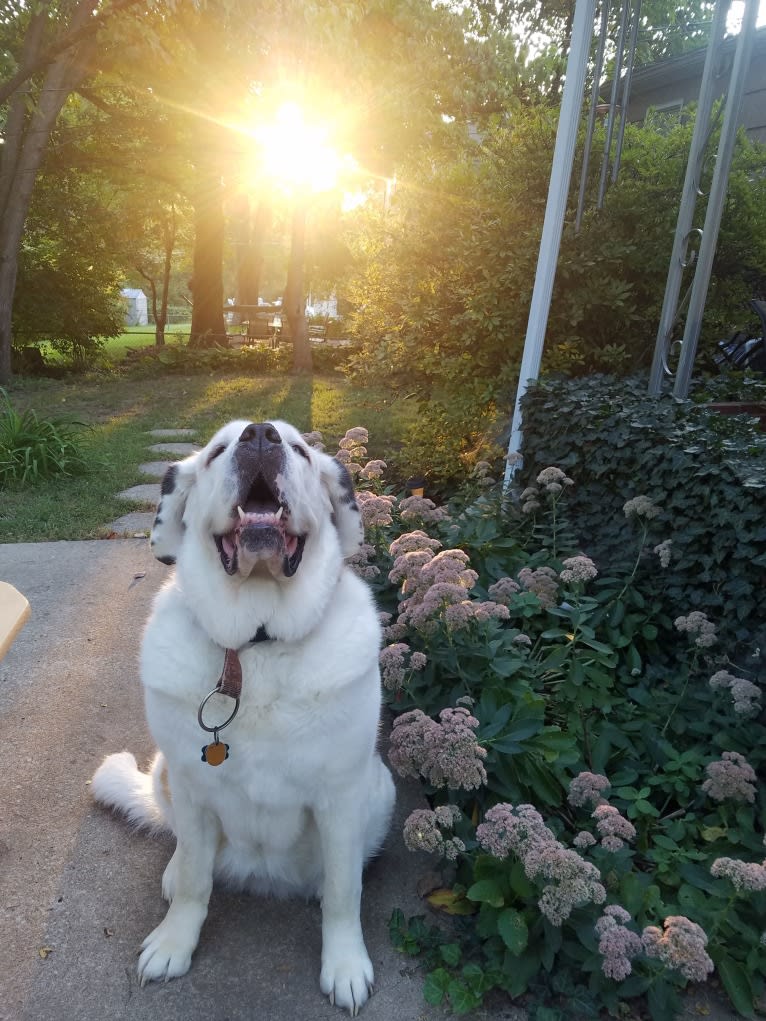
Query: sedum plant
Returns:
{"type": "Point", "coordinates": [588, 760]}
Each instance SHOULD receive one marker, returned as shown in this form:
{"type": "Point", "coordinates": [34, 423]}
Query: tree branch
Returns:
{"type": "Point", "coordinates": [66, 42]}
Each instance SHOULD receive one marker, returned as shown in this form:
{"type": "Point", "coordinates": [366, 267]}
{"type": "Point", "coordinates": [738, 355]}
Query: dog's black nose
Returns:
{"type": "Point", "coordinates": [261, 434]}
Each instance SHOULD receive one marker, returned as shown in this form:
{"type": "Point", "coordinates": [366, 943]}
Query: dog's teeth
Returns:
{"type": "Point", "coordinates": [241, 513]}
{"type": "Point", "coordinates": [278, 515]}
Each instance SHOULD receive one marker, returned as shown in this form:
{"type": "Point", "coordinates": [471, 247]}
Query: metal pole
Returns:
{"type": "Point", "coordinates": [626, 83]}
{"type": "Point", "coordinates": [612, 105]}
{"type": "Point", "coordinates": [717, 197]}
{"type": "Point", "coordinates": [688, 197]}
{"type": "Point", "coordinates": [558, 190]}
{"type": "Point", "coordinates": [592, 113]}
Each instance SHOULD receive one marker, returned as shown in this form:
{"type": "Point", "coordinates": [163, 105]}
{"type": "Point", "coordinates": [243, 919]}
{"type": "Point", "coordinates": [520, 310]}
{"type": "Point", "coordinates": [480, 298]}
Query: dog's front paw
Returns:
{"type": "Point", "coordinates": [347, 978]}
{"type": "Point", "coordinates": [167, 951]}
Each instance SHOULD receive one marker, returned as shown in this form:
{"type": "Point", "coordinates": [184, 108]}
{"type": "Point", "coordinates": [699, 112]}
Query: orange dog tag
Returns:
{"type": "Point", "coordinates": [215, 753]}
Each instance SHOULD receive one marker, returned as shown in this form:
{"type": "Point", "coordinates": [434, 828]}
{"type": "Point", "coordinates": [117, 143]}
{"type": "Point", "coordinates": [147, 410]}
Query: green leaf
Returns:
{"type": "Point", "coordinates": [450, 953]}
{"type": "Point", "coordinates": [435, 986]}
{"type": "Point", "coordinates": [662, 1001]}
{"type": "Point", "coordinates": [487, 891]}
{"type": "Point", "coordinates": [711, 833]}
{"type": "Point", "coordinates": [513, 930]}
{"type": "Point", "coordinates": [461, 998]}
{"type": "Point", "coordinates": [737, 984]}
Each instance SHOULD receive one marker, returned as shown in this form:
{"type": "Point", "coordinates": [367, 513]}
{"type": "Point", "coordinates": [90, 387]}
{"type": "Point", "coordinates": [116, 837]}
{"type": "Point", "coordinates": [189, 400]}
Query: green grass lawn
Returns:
{"type": "Point", "coordinates": [115, 348]}
{"type": "Point", "coordinates": [118, 413]}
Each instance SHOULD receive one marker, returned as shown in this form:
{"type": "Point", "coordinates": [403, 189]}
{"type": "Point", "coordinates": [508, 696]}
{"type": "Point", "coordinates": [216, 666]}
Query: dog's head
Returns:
{"type": "Point", "coordinates": [259, 497]}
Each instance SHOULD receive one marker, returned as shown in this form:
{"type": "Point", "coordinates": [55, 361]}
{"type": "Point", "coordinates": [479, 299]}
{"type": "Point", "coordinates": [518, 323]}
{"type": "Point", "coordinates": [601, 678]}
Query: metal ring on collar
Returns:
{"type": "Point", "coordinates": [220, 726]}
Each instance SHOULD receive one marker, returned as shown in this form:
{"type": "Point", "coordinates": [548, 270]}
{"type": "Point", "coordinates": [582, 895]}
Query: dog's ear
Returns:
{"type": "Point", "coordinates": [168, 527]}
{"type": "Point", "coordinates": [346, 515]}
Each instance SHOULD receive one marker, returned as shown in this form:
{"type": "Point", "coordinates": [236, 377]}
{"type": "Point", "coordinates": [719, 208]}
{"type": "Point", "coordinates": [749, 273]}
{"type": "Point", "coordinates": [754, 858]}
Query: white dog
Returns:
{"type": "Point", "coordinates": [292, 796]}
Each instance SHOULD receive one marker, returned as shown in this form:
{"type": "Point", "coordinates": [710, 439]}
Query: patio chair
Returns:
{"type": "Point", "coordinates": [14, 610]}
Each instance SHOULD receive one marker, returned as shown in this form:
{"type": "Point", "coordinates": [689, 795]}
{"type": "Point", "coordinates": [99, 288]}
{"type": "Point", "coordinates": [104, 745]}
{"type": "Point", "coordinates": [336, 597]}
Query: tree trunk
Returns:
{"type": "Point", "coordinates": [22, 156]}
{"type": "Point", "coordinates": [169, 237]}
{"type": "Point", "coordinates": [208, 328]}
{"type": "Point", "coordinates": [294, 301]}
{"type": "Point", "coordinates": [250, 231]}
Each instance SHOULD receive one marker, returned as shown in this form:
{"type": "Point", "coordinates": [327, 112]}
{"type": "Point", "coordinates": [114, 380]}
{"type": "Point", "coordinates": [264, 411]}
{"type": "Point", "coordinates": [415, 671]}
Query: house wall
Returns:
{"type": "Point", "coordinates": [673, 82]}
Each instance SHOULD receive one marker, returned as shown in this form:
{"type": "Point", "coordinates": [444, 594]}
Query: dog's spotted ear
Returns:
{"type": "Point", "coordinates": [346, 515]}
{"type": "Point", "coordinates": [168, 528]}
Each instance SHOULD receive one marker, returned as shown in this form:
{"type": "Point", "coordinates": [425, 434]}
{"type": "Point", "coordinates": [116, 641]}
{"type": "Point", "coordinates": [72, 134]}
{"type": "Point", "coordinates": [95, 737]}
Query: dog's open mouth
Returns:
{"type": "Point", "coordinates": [260, 533]}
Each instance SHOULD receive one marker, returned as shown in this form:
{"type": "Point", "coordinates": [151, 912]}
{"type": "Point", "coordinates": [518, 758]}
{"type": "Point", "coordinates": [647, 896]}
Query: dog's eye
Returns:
{"type": "Point", "coordinates": [300, 449]}
{"type": "Point", "coordinates": [215, 452]}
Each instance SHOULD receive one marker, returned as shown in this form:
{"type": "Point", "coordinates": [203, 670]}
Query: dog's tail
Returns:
{"type": "Point", "coordinates": [119, 784]}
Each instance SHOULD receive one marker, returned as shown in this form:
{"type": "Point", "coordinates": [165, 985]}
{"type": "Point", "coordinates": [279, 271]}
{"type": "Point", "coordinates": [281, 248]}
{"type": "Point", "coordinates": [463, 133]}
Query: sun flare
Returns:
{"type": "Point", "coordinates": [297, 155]}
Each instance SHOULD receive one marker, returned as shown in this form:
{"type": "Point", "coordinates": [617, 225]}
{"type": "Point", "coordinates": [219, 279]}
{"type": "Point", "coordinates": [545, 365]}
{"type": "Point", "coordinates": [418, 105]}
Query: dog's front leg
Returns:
{"type": "Point", "coordinates": [347, 974]}
{"type": "Point", "coordinates": [167, 951]}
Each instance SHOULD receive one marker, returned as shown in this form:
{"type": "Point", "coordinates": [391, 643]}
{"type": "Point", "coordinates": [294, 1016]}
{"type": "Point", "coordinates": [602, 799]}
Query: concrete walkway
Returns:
{"type": "Point", "coordinates": [79, 891]}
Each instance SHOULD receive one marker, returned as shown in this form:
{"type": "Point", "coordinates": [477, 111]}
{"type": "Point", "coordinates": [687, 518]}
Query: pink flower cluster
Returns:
{"type": "Point", "coordinates": [584, 840]}
{"type": "Point", "coordinates": [569, 880]}
{"type": "Point", "coordinates": [420, 508]}
{"type": "Point", "coordinates": [375, 510]}
{"type": "Point", "coordinates": [446, 754]}
{"type": "Point", "coordinates": [578, 569]}
{"type": "Point", "coordinates": [587, 789]}
{"type": "Point", "coordinates": [543, 581]}
{"type": "Point", "coordinates": [744, 875]}
{"type": "Point", "coordinates": [730, 778]}
{"type": "Point", "coordinates": [613, 828]}
{"type": "Point", "coordinates": [503, 591]}
{"type": "Point", "coordinates": [352, 449]}
{"type": "Point", "coordinates": [314, 439]}
{"type": "Point", "coordinates": [618, 945]}
{"type": "Point", "coordinates": [640, 507]}
{"type": "Point", "coordinates": [680, 946]}
{"type": "Point", "coordinates": [423, 831]}
{"type": "Point", "coordinates": [360, 562]}
{"type": "Point", "coordinates": [373, 470]}
{"type": "Point", "coordinates": [551, 481]}
{"type": "Point", "coordinates": [436, 586]}
{"type": "Point", "coordinates": [664, 552]}
{"type": "Point", "coordinates": [395, 667]}
{"type": "Point", "coordinates": [697, 625]}
{"type": "Point", "coordinates": [481, 473]}
{"type": "Point", "coordinates": [745, 695]}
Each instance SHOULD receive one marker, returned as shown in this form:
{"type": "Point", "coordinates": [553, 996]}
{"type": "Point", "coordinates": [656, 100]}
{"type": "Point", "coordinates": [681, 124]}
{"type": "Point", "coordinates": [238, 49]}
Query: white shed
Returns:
{"type": "Point", "coordinates": [136, 307]}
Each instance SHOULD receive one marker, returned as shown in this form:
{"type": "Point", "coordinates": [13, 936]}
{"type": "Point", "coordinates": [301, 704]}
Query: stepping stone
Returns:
{"type": "Point", "coordinates": [155, 468]}
{"type": "Point", "coordinates": [133, 525]}
{"type": "Point", "coordinates": [167, 433]}
{"type": "Point", "coordinates": [147, 493]}
{"type": "Point", "coordinates": [182, 449]}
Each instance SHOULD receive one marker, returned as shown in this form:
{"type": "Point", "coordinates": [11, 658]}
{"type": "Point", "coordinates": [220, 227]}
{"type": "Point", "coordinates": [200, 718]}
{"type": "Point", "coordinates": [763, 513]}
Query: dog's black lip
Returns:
{"type": "Point", "coordinates": [290, 564]}
{"type": "Point", "coordinates": [230, 563]}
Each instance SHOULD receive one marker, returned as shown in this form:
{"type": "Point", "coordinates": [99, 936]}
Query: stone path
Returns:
{"type": "Point", "coordinates": [137, 523]}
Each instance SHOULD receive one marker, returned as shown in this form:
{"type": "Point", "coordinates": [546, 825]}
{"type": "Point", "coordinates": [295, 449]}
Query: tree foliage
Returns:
{"type": "Point", "coordinates": [445, 278]}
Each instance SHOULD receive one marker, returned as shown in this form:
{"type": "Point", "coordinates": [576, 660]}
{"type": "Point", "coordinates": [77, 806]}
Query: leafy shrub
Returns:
{"type": "Point", "coordinates": [173, 358]}
{"type": "Point", "coordinates": [707, 473]}
{"type": "Point", "coordinates": [251, 358]}
{"type": "Point", "coordinates": [588, 760]}
{"type": "Point", "coordinates": [69, 275]}
{"type": "Point", "coordinates": [33, 448]}
{"type": "Point", "coordinates": [444, 278]}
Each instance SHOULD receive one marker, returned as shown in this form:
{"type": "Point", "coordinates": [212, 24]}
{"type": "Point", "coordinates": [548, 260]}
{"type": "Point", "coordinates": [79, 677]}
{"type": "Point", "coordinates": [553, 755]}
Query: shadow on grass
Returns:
{"type": "Point", "coordinates": [122, 411]}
